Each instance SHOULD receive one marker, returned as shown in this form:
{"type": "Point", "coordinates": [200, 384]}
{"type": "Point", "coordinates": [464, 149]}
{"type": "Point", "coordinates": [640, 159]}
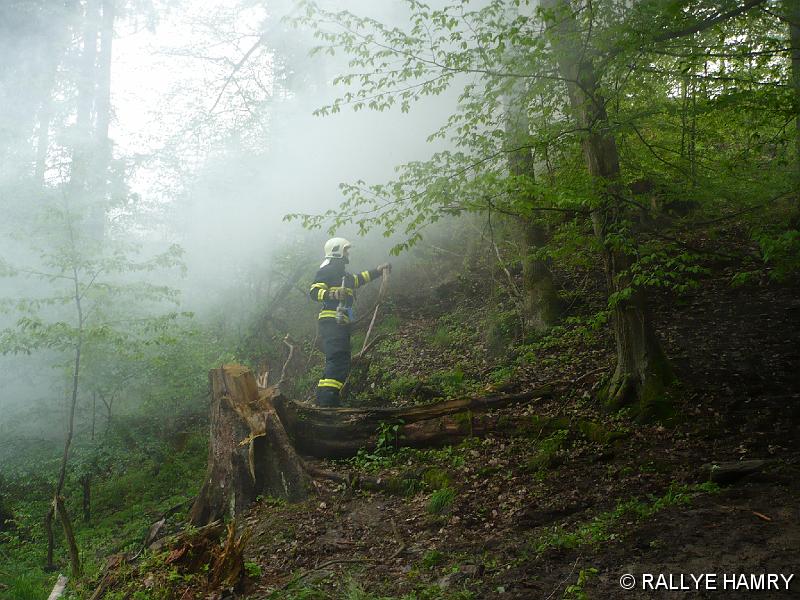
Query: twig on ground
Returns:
{"type": "Point", "coordinates": [567, 578]}
{"type": "Point", "coordinates": [402, 544]}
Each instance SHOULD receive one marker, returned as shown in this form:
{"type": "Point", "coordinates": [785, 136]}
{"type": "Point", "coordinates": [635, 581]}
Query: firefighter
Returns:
{"type": "Point", "coordinates": [333, 287]}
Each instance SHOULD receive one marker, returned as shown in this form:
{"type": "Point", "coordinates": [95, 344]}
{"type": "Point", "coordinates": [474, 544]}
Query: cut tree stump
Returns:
{"type": "Point", "coordinates": [256, 436]}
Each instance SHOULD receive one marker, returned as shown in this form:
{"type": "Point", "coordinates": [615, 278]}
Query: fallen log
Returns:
{"type": "Point", "coordinates": [256, 437]}
{"type": "Point", "coordinates": [727, 472]}
{"type": "Point", "coordinates": [341, 432]}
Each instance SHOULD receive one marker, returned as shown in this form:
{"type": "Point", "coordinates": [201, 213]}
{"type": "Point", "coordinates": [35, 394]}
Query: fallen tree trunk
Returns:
{"type": "Point", "coordinates": [256, 437]}
{"type": "Point", "coordinates": [341, 432]}
{"type": "Point", "coordinates": [727, 472]}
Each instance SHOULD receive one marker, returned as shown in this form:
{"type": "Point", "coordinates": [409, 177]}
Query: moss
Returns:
{"type": "Point", "coordinates": [436, 479]}
{"type": "Point", "coordinates": [600, 433]}
{"type": "Point", "coordinates": [542, 426]}
{"type": "Point", "coordinates": [464, 420]}
{"type": "Point", "coordinates": [655, 403]}
{"type": "Point", "coordinates": [648, 398]}
{"type": "Point", "coordinates": [403, 485]}
{"type": "Point", "coordinates": [548, 454]}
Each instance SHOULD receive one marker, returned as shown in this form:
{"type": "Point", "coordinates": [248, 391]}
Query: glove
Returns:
{"type": "Point", "coordinates": [384, 267]}
{"type": "Point", "coordinates": [335, 294]}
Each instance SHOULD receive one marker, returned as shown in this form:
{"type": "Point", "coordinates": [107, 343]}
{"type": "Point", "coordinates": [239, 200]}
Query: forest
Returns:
{"type": "Point", "coordinates": [573, 370]}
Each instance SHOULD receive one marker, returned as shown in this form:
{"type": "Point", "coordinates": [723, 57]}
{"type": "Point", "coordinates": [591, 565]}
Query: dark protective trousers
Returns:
{"type": "Point", "coordinates": [336, 347]}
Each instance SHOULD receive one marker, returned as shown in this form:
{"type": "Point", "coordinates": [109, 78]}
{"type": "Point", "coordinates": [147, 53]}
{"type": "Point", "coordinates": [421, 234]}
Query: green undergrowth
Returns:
{"type": "Point", "coordinates": [125, 502]}
{"type": "Point", "coordinates": [387, 454]}
{"type": "Point", "coordinates": [605, 527]}
{"type": "Point", "coordinates": [461, 344]}
{"type": "Point", "coordinates": [541, 443]}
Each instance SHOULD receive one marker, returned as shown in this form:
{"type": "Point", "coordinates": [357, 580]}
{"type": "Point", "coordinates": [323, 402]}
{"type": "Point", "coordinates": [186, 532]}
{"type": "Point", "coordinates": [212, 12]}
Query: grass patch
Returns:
{"type": "Point", "coordinates": [603, 527]}
{"type": "Point", "coordinates": [432, 558]}
{"type": "Point", "coordinates": [24, 586]}
{"type": "Point", "coordinates": [442, 337]}
{"type": "Point", "coordinates": [441, 501]}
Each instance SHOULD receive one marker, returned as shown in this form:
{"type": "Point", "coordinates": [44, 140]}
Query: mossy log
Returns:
{"type": "Point", "coordinates": [256, 436]}
{"type": "Point", "coordinates": [341, 432]}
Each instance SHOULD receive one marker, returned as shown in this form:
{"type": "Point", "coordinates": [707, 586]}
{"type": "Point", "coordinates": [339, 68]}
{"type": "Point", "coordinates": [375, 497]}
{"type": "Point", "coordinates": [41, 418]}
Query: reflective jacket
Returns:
{"type": "Point", "coordinates": [329, 278]}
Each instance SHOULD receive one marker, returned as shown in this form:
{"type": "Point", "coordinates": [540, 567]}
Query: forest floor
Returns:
{"type": "Point", "coordinates": [571, 498]}
{"type": "Point", "coordinates": [562, 500]}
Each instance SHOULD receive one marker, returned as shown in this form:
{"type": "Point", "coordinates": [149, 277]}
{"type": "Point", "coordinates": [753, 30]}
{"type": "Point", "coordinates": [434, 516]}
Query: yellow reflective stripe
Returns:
{"type": "Point", "coordinates": [330, 383]}
{"type": "Point", "coordinates": [320, 287]}
{"type": "Point", "coordinates": [365, 275]}
{"type": "Point", "coordinates": [331, 314]}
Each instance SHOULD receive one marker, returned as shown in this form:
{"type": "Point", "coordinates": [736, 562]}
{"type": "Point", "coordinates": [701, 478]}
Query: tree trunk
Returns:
{"type": "Point", "coordinates": [642, 371]}
{"type": "Point", "coordinates": [256, 437]}
{"type": "Point", "coordinates": [56, 47]}
{"type": "Point", "coordinates": [81, 152]}
{"type": "Point", "coordinates": [792, 10]}
{"type": "Point", "coordinates": [339, 433]}
{"type": "Point", "coordinates": [540, 301]}
{"type": "Point", "coordinates": [48, 528]}
{"type": "Point", "coordinates": [58, 501]}
{"type": "Point", "coordinates": [86, 486]}
{"type": "Point", "coordinates": [101, 151]}
{"type": "Point", "coordinates": [249, 451]}
{"type": "Point", "coordinates": [43, 133]}
{"type": "Point", "coordinates": [69, 535]}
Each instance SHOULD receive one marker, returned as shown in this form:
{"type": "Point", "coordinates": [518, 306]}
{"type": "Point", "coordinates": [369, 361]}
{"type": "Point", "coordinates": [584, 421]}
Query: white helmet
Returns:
{"type": "Point", "coordinates": [335, 247]}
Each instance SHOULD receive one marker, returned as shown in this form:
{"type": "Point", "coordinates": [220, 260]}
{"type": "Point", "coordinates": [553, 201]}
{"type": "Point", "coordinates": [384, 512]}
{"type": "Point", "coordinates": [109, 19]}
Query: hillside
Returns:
{"type": "Point", "coordinates": [578, 374]}
{"type": "Point", "coordinates": [561, 499]}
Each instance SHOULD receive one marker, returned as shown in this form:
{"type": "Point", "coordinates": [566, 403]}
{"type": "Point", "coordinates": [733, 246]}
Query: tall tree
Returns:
{"type": "Point", "coordinates": [540, 300]}
{"type": "Point", "coordinates": [792, 15]}
{"type": "Point", "coordinates": [642, 370]}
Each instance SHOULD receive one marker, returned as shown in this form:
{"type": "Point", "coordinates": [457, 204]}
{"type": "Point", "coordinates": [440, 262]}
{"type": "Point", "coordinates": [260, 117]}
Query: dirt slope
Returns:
{"type": "Point", "coordinates": [606, 495]}
{"type": "Point", "coordinates": [562, 500]}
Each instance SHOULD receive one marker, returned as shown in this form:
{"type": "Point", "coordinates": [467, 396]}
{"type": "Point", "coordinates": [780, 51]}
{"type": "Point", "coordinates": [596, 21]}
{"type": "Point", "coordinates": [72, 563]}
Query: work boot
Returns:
{"type": "Point", "coordinates": [327, 397]}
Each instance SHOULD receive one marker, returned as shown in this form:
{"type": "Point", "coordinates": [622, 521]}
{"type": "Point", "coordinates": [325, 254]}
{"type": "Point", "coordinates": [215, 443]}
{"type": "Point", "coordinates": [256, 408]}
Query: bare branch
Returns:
{"type": "Point", "coordinates": [235, 70]}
